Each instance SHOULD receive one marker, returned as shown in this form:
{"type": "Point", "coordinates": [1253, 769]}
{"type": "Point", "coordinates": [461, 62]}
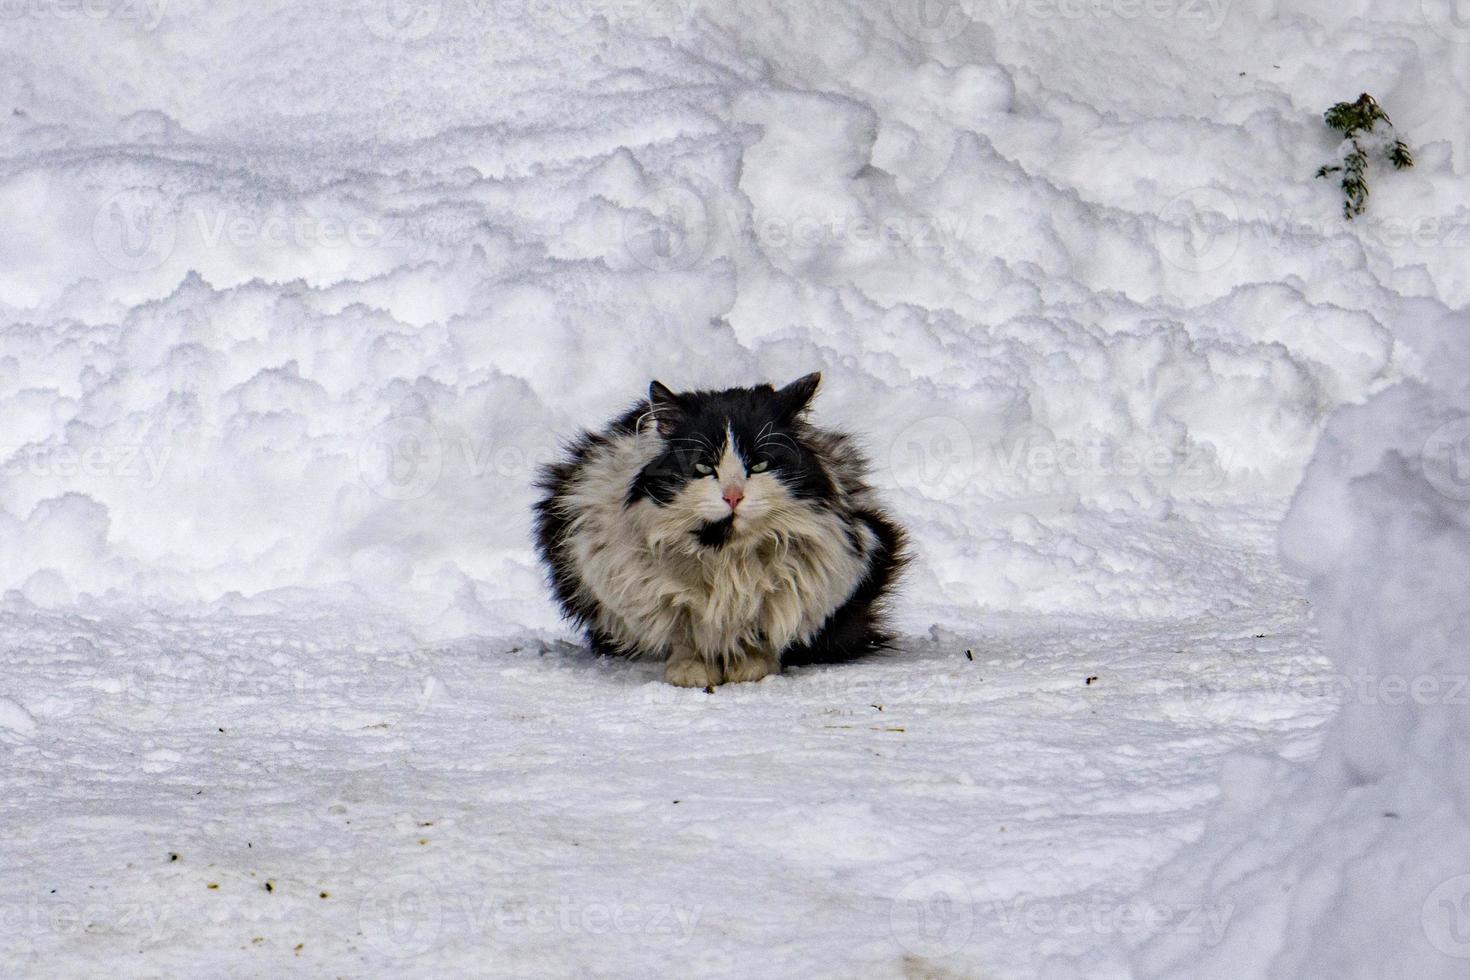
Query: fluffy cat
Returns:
{"type": "Point", "coordinates": [721, 532]}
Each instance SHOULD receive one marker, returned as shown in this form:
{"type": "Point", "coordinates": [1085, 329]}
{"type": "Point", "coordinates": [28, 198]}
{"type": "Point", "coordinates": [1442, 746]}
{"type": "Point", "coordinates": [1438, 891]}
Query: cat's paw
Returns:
{"type": "Point", "coordinates": [752, 668]}
{"type": "Point", "coordinates": [692, 672]}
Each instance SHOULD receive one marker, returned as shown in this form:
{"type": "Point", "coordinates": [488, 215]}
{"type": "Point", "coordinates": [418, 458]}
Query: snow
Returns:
{"type": "Point", "coordinates": [294, 299]}
{"type": "Point", "coordinates": [1369, 841]}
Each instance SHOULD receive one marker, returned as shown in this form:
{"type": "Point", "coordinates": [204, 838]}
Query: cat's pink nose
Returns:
{"type": "Point", "coordinates": [733, 496]}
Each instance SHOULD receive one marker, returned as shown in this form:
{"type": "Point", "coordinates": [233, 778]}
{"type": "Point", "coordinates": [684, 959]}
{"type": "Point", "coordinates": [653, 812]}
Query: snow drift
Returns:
{"type": "Point", "coordinates": [337, 348]}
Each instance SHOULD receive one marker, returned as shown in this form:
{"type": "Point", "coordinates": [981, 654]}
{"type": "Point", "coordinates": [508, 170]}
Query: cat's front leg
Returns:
{"type": "Point", "coordinates": [686, 668]}
{"type": "Point", "coordinates": [752, 666]}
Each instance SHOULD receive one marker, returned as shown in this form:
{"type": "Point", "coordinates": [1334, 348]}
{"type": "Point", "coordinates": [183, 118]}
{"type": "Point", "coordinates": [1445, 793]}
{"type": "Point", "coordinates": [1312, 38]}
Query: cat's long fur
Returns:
{"type": "Point", "coordinates": [639, 555]}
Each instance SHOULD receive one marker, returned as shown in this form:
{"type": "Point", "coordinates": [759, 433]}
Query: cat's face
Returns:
{"type": "Point", "coordinates": [733, 461]}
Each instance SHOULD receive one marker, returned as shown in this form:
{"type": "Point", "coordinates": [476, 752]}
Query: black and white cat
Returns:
{"type": "Point", "coordinates": [721, 532]}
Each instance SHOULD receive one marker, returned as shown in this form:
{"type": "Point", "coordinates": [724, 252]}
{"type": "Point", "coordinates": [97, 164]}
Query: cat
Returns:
{"type": "Point", "coordinates": [722, 533]}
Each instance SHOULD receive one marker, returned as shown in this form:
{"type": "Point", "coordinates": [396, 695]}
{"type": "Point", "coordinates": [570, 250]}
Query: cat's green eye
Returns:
{"type": "Point", "coordinates": [702, 469]}
{"type": "Point", "coordinates": [760, 467]}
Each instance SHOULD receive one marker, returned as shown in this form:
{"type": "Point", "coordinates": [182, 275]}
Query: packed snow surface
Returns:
{"type": "Point", "coordinates": [294, 299]}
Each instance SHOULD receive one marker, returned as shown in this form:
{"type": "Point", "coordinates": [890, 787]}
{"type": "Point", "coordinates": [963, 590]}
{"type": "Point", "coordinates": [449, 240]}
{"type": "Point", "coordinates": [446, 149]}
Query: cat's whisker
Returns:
{"type": "Point", "coordinates": [780, 438]}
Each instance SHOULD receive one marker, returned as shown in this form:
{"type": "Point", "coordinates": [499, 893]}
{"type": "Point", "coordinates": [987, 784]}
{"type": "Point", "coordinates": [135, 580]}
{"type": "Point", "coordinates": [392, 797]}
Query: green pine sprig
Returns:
{"type": "Point", "coordinates": [1354, 120]}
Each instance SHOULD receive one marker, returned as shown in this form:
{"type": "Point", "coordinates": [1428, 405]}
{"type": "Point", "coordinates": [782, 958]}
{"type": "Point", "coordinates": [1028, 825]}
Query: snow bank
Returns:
{"type": "Point", "coordinates": [1358, 867]}
{"type": "Point", "coordinates": [312, 316]}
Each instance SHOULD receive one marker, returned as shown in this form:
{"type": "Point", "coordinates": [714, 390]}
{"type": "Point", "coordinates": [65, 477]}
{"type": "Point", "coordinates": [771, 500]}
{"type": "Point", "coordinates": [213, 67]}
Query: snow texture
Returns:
{"type": "Point", "coordinates": [295, 297]}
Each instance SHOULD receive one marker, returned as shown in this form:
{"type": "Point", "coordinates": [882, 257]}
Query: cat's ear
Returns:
{"type": "Point", "coordinates": [665, 407]}
{"type": "Point", "coordinates": [795, 397]}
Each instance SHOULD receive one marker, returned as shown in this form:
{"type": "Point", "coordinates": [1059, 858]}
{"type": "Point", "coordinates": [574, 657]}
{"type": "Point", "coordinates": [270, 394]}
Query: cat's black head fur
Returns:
{"type": "Point", "coordinates": [767, 425]}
